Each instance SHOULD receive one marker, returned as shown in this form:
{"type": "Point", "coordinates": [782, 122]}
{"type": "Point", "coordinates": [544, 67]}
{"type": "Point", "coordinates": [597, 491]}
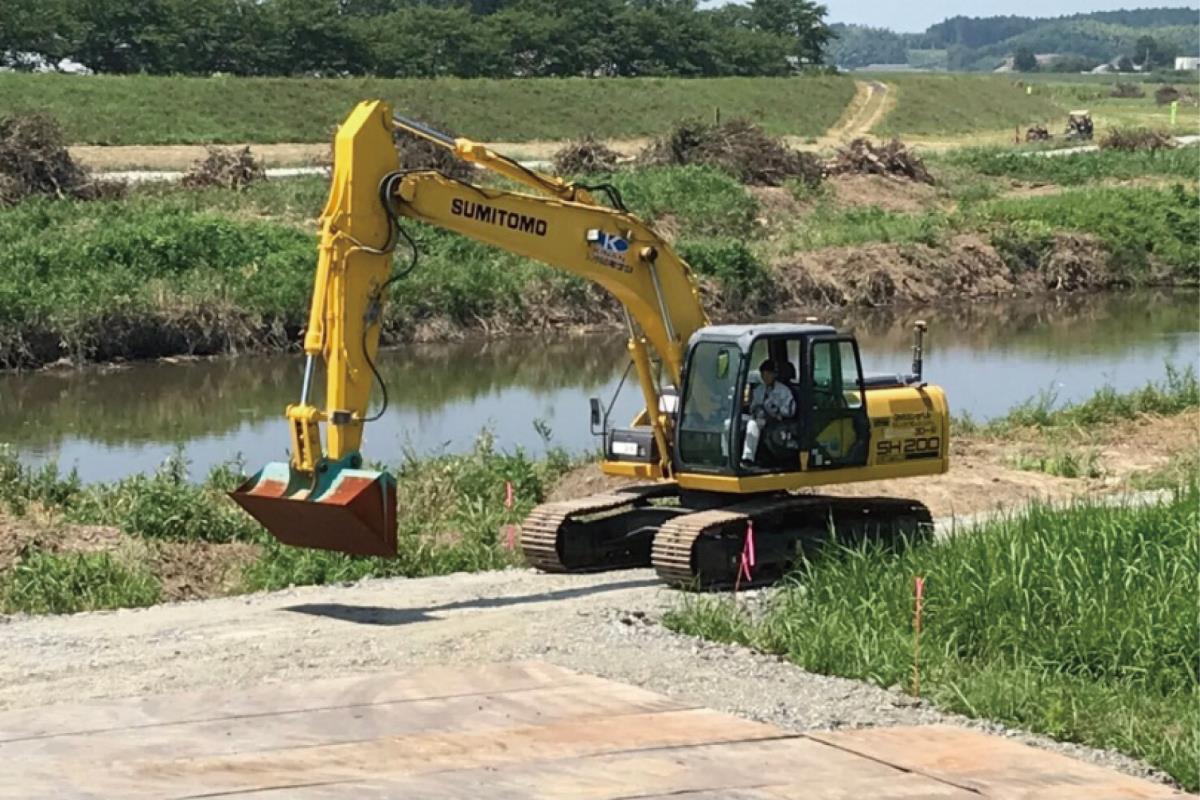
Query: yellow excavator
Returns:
{"type": "Point", "coordinates": [699, 487]}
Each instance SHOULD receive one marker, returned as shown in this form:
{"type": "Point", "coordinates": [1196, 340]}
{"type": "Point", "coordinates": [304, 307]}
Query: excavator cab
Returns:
{"type": "Point", "coordinates": [828, 427]}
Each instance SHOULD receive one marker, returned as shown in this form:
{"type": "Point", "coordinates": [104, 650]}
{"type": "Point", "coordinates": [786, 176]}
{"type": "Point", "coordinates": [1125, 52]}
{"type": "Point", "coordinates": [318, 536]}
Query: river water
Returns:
{"type": "Point", "coordinates": [108, 422]}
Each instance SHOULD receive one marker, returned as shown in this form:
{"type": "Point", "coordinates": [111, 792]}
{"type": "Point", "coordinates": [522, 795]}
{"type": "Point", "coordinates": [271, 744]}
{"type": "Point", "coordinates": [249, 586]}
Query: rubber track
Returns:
{"type": "Point", "coordinates": [540, 531]}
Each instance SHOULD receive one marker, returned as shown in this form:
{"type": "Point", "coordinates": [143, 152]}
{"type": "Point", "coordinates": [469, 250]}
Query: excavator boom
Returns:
{"type": "Point", "coordinates": [322, 497]}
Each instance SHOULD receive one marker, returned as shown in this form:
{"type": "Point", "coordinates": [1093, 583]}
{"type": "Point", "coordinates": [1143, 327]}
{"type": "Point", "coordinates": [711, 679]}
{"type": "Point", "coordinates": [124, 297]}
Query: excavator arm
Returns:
{"type": "Point", "coordinates": [323, 498]}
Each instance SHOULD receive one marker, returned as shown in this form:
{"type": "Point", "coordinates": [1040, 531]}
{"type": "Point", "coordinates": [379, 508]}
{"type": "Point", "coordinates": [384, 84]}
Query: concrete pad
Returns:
{"type": "Point", "coordinates": [516, 731]}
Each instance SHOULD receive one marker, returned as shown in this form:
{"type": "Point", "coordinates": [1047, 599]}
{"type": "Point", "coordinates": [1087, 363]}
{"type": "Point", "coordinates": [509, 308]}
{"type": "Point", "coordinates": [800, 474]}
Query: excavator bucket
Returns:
{"type": "Point", "coordinates": [349, 511]}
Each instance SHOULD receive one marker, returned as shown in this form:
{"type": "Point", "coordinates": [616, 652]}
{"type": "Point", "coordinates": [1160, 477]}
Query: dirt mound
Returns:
{"type": "Point", "coordinates": [34, 161]}
{"type": "Point", "coordinates": [854, 190]}
{"type": "Point", "coordinates": [187, 570]}
{"type": "Point", "coordinates": [738, 147]}
{"type": "Point", "coordinates": [21, 535]}
{"type": "Point", "coordinates": [194, 570]}
{"type": "Point", "coordinates": [584, 481]}
{"type": "Point", "coordinates": [586, 156]}
{"type": "Point", "coordinates": [225, 168]}
{"type": "Point", "coordinates": [1137, 139]}
{"type": "Point", "coordinates": [417, 152]}
{"type": "Point", "coordinates": [893, 158]}
{"type": "Point", "coordinates": [967, 266]}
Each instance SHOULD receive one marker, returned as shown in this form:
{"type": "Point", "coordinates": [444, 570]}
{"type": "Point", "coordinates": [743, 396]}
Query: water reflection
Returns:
{"type": "Point", "coordinates": [109, 422]}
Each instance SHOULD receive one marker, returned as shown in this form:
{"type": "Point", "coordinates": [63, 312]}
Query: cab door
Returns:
{"type": "Point", "coordinates": [836, 429]}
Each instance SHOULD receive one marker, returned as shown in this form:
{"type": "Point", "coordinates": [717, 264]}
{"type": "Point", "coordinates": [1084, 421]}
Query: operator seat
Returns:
{"type": "Point", "coordinates": [781, 438]}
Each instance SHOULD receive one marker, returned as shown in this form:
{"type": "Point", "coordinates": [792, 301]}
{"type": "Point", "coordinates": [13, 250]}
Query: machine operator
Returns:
{"type": "Point", "coordinates": [770, 401]}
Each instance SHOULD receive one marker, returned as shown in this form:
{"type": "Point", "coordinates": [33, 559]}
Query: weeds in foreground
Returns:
{"type": "Point", "coordinates": [46, 583]}
{"type": "Point", "coordinates": [1079, 622]}
{"type": "Point", "coordinates": [1061, 463]}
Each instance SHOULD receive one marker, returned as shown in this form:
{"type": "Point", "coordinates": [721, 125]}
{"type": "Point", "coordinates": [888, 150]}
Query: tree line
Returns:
{"type": "Point", "coordinates": [1148, 38]}
{"type": "Point", "coordinates": [415, 38]}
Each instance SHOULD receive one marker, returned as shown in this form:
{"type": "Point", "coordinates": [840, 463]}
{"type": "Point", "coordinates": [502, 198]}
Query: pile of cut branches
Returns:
{"type": "Point", "coordinates": [737, 147]}
{"type": "Point", "coordinates": [1137, 139]}
{"type": "Point", "coordinates": [226, 168]}
{"type": "Point", "coordinates": [1037, 133]}
{"type": "Point", "coordinates": [417, 152]}
{"type": "Point", "coordinates": [586, 156]}
{"type": "Point", "coordinates": [893, 158]}
{"type": "Point", "coordinates": [34, 161]}
{"type": "Point", "coordinates": [1127, 90]}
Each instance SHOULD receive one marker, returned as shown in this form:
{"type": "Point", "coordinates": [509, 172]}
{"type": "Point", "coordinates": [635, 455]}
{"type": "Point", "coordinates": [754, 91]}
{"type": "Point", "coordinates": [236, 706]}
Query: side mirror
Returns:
{"type": "Point", "coordinates": [597, 416]}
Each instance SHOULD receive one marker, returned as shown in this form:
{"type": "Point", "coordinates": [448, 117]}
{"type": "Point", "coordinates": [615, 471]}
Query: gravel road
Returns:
{"type": "Point", "coordinates": [604, 624]}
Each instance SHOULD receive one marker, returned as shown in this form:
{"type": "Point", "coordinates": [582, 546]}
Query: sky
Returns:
{"type": "Point", "coordinates": [913, 17]}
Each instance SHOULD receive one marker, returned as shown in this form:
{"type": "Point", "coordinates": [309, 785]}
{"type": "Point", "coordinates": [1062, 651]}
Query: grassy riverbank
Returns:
{"type": "Point", "coordinates": [171, 271]}
{"type": "Point", "coordinates": [1078, 622]}
{"type": "Point", "coordinates": [65, 546]}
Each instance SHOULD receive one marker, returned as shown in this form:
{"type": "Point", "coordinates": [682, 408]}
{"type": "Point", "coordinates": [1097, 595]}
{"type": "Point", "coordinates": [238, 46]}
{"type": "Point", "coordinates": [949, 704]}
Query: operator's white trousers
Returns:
{"type": "Point", "coordinates": [753, 432]}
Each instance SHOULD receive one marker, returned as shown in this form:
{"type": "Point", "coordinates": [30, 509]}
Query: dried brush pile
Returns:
{"type": "Point", "coordinates": [737, 147]}
{"type": "Point", "coordinates": [586, 156]}
{"type": "Point", "coordinates": [417, 152]}
{"type": "Point", "coordinates": [893, 158]}
{"type": "Point", "coordinates": [1037, 133]}
{"type": "Point", "coordinates": [1131, 139]}
{"type": "Point", "coordinates": [1127, 90]}
{"type": "Point", "coordinates": [225, 168]}
{"type": "Point", "coordinates": [1165, 95]}
{"type": "Point", "coordinates": [34, 161]}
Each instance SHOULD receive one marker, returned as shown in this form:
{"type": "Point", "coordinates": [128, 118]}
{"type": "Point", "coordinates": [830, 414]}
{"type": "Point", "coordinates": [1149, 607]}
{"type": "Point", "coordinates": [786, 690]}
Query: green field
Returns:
{"type": "Point", "coordinates": [1078, 622]}
{"type": "Point", "coordinates": [938, 105]}
{"type": "Point", "coordinates": [140, 109]}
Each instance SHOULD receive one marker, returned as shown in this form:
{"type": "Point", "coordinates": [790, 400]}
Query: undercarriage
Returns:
{"type": "Point", "coordinates": [699, 540]}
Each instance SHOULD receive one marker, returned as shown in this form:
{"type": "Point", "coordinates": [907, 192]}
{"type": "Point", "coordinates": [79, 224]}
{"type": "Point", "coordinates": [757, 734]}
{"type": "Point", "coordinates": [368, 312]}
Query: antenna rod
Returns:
{"type": "Point", "coordinates": [919, 328]}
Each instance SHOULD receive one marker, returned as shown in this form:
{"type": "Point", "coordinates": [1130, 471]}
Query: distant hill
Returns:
{"type": "Point", "coordinates": [983, 43]}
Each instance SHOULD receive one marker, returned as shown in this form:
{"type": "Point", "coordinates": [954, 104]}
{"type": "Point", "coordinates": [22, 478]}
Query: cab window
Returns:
{"type": "Point", "coordinates": [708, 404]}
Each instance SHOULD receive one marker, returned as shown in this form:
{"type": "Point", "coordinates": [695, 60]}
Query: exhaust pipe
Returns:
{"type": "Point", "coordinates": [919, 328]}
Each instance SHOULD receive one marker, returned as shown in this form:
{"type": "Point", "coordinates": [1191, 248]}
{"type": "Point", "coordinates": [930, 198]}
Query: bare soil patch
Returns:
{"type": "Point", "coordinates": [967, 266]}
{"type": "Point", "coordinates": [882, 191]}
{"type": "Point", "coordinates": [19, 535]}
{"type": "Point", "coordinates": [187, 570]}
{"type": "Point", "coordinates": [111, 158]}
{"type": "Point", "coordinates": [194, 570]}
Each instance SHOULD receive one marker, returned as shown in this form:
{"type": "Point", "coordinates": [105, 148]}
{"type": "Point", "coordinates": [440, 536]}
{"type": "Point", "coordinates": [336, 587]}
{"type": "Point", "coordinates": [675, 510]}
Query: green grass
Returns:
{"type": "Point", "coordinates": [1079, 168]}
{"type": "Point", "coordinates": [452, 519]}
{"type": "Point", "coordinates": [113, 109]}
{"type": "Point", "coordinates": [45, 583]}
{"type": "Point", "coordinates": [931, 105]}
{"type": "Point", "coordinates": [171, 271]}
{"type": "Point", "coordinates": [1076, 622]}
{"type": "Point", "coordinates": [1061, 462]}
{"type": "Point", "coordinates": [1176, 393]}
